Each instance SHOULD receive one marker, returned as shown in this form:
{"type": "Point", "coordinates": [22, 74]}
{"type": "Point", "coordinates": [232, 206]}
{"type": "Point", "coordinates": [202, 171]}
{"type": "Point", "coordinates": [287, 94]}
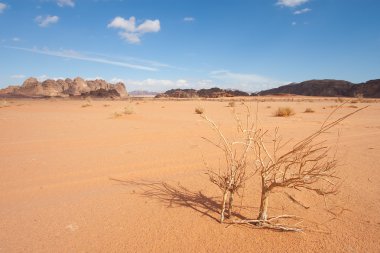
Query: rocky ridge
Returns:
{"type": "Point", "coordinates": [65, 88]}
{"type": "Point", "coordinates": [328, 88]}
{"type": "Point", "coordinates": [205, 93]}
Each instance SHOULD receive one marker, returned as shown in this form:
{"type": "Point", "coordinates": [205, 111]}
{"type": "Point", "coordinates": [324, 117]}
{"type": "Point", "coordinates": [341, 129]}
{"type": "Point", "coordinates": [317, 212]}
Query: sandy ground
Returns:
{"type": "Point", "coordinates": [76, 179]}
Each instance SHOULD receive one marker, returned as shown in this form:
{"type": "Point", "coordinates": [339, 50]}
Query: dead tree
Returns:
{"type": "Point", "coordinates": [307, 165]}
{"type": "Point", "coordinates": [233, 175]}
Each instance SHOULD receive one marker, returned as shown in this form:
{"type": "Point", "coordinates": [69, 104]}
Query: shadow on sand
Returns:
{"type": "Point", "coordinates": [177, 195]}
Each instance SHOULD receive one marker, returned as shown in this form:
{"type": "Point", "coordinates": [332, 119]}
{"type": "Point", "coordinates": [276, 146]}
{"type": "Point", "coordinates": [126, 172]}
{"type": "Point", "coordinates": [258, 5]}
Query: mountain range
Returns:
{"type": "Point", "coordinates": [100, 88]}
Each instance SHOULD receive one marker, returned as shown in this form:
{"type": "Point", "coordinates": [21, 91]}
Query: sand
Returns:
{"type": "Point", "coordinates": [78, 179]}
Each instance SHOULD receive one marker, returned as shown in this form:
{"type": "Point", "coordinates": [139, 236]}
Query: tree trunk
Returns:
{"type": "Point", "coordinates": [223, 206]}
{"type": "Point", "coordinates": [230, 204]}
{"type": "Point", "coordinates": [263, 213]}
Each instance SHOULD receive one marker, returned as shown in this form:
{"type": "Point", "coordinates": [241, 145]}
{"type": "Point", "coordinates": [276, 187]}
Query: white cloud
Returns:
{"type": "Point", "coordinates": [3, 6]}
{"type": "Point", "coordinates": [248, 82]}
{"type": "Point", "coordinates": [188, 19]}
{"type": "Point", "coordinates": [130, 32]}
{"type": "Point", "coordinates": [44, 77]}
{"type": "Point", "coordinates": [158, 83]}
{"type": "Point", "coordinates": [116, 80]}
{"type": "Point", "coordinates": [294, 23]}
{"type": "Point", "coordinates": [94, 78]}
{"type": "Point", "coordinates": [62, 3]}
{"type": "Point", "coordinates": [45, 21]}
{"type": "Point", "coordinates": [16, 39]}
{"type": "Point", "coordinates": [18, 76]}
{"type": "Point", "coordinates": [72, 54]}
{"type": "Point", "coordinates": [291, 3]}
{"type": "Point", "coordinates": [302, 11]}
{"type": "Point", "coordinates": [205, 83]}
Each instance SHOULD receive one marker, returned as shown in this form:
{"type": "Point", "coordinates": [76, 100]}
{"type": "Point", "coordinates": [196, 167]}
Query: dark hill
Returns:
{"type": "Point", "coordinates": [328, 88]}
{"type": "Point", "coordinates": [205, 93]}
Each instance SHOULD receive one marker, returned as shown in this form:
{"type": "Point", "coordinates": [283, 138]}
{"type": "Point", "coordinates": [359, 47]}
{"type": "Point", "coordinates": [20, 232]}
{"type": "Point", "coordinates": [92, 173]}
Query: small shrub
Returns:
{"type": "Point", "coordinates": [284, 112]}
{"type": "Point", "coordinates": [128, 110]}
{"type": "Point", "coordinates": [199, 110]}
{"type": "Point", "coordinates": [118, 115]}
{"type": "Point", "coordinates": [340, 100]}
{"type": "Point", "coordinates": [309, 110]}
{"type": "Point", "coordinates": [106, 105]}
{"type": "Point", "coordinates": [231, 104]}
{"type": "Point", "coordinates": [4, 103]}
{"type": "Point", "coordinates": [88, 102]}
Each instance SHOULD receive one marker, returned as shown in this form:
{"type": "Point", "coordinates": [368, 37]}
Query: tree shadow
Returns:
{"type": "Point", "coordinates": [177, 195]}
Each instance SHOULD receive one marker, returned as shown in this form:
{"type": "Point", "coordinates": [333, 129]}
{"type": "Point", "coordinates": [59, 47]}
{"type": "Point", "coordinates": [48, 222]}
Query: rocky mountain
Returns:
{"type": "Point", "coordinates": [65, 88]}
{"type": "Point", "coordinates": [328, 88]}
{"type": "Point", "coordinates": [205, 93]}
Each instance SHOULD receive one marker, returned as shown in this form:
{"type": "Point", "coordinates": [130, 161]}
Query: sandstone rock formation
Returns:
{"type": "Point", "coordinates": [63, 88]}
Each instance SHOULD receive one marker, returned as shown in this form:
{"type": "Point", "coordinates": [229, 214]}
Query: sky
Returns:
{"type": "Point", "coordinates": [157, 45]}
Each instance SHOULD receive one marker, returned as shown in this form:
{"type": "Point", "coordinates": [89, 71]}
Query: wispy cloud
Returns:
{"type": "Point", "coordinates": [18, 76]}
{"type": "Point", "coordinates": [3, 6]}
{"type": "Point", "coordinates": [302, 11]}
{"type": "Point", "coordinates": [45, 21]}
{"type": "Point", "coordinates": [16, 39]}
{"type": "Point", "coordinates": [291, 3]}
{"type": "Point", "coordinates": [248, 82]}
{"type": "Point", "coordinates": [158, 83]}
{"type": "Point", "coordinates": [188, 19]}
{"type": "Point", "coordinates": [130, 32]}
{"type": "Point", "coordinates": [63, 3]}
{"type": "Point", "coordinates": [72, 54]}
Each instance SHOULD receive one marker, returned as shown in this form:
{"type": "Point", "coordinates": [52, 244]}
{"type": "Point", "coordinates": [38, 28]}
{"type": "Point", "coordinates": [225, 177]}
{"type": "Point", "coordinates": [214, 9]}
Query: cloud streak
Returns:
{"type": "Point", "coordinates": [45, 21]}
{"type": "Point", "coordinates": [3, 6]}
{"type": "Point", "coordinates": [132, 33]}
{"type": "Point", "coordinates": [63, 3]}
{"type": "Point", "coordinates": [248, 82]}
{"type": "Point", "coordinates": [302, 11]}
{"type": "Point", "coordinates": [158, 83]}
{"type": "Point", "coordinates": [291, 3]}
{"type": "Point", "coordinates": [188, 19]}
{"type": "Point", "coordinates": [72, 54]}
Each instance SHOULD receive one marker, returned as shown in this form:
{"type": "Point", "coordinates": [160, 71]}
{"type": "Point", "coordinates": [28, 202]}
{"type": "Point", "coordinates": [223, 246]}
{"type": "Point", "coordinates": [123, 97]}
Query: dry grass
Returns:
{"type": "Point", "coordinates": [4, 103]}
{"type": "Point", "coordinates": [231, 104]}
{"type": "Point", "coordinates": [117, 115]}
{"type": "Point", "coordinates": [199, 110]}
{"type": "Point", "coordinates": [309, 110]}
{"type": "Point", "coordinates": [88, 103]}
{"type": "Point", "coordinates": [129, 110]}
{"type": "Point", "coordinates": [284, 112]}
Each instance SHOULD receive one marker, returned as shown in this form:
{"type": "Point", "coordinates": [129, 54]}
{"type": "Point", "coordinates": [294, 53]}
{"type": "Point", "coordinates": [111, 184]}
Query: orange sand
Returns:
{"type": "Point", "coordinates": [75, 179]}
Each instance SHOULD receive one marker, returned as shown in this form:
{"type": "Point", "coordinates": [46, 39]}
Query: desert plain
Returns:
{"type": "Point", "coordinates": [80, 178]}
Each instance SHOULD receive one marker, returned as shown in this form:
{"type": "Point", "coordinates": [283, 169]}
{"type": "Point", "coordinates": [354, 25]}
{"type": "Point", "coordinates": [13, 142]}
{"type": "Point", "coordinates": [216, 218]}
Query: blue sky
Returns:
{"type": "Point", "coordinates": [161, 44]}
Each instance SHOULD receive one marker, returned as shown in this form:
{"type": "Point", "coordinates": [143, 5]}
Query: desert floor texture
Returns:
{"type": "Point", "coordinates": [77, 178]}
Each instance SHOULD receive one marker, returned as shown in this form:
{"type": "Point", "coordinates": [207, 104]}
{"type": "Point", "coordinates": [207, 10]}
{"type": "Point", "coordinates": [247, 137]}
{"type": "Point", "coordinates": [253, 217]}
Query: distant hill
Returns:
{"type": "Point", "coordinates": [32, 88]}
{"type": "Point", "coordinates": [328, 88]}
{"type": "Point", "coordinates": [205, 93]}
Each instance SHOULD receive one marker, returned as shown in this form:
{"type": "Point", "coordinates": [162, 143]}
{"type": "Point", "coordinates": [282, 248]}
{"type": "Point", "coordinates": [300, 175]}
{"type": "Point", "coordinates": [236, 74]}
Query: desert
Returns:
{"type": "Point", "coordinates": [155, 126]}
{"type": "Point", "coordinates": [79, 179]}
